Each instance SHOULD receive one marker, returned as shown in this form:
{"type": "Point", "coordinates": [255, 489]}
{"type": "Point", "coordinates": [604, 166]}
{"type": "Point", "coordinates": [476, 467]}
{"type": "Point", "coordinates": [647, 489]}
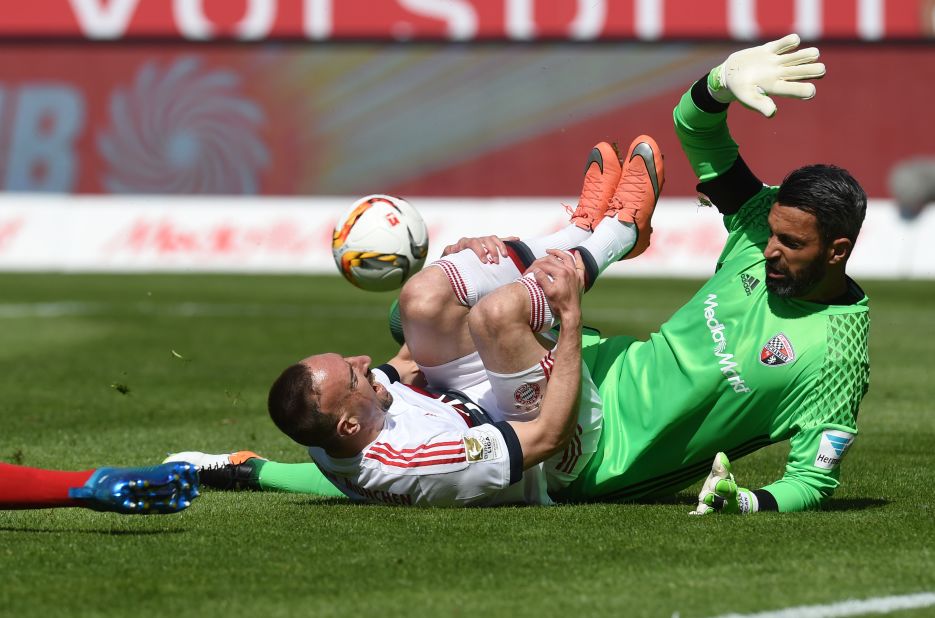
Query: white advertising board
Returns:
{"type": "Point", "coordinates": [293, 235]}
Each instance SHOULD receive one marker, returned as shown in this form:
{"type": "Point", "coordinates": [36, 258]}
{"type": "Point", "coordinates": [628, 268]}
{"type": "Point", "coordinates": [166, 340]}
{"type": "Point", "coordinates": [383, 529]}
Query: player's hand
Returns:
{"type": "Point", "coordinates": [487, 248]}
{"type": "Point", "coordinates": [752, 75]}
{"type": "Point", "coordinates": [558, 275]}
{"type": "Point", "coordinates": [409, 372]}
{"type": "Point", "coordinates": [720, 493]}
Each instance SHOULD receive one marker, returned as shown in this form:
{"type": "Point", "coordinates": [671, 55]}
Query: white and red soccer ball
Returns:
{"type": "Point", "coordinates": [380, 242]}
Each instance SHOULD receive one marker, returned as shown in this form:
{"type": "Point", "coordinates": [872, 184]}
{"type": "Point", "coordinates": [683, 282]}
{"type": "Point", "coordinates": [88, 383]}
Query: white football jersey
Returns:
{"type": "Point", "coordinates": [434, 449]}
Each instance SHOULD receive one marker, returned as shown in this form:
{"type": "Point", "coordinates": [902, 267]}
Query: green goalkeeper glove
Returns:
{"type": "Point", "coordinates": [720, 492]}
{"type": "Point", "coordinates": [751, 75]}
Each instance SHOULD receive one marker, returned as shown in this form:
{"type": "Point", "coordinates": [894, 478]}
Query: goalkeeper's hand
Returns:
{"type": "Point", "coordinates": [720, 493]}
{"type": "Point", "coordinates": [752, 75]}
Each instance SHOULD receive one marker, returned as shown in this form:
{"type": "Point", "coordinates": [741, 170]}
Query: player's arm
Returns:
{"type": "Point", "coordinates": [550, 431]}
{"type": "Point", "coordinates": [402, 368]}
{"type": "Point", "coordinates": [801, 488]}
{"type": "Point", "coordinates": [813, 468]}
{"type": "Point", "coordinates": [749, 76]}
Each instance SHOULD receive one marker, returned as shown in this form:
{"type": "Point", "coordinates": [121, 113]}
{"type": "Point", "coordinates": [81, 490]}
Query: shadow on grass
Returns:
{"type": "Point", "coordinates": [91, 531]}
{"type": "Point", "coordinates": [855, 504]}
{"type": "Point", "coordinates": [842, 504]}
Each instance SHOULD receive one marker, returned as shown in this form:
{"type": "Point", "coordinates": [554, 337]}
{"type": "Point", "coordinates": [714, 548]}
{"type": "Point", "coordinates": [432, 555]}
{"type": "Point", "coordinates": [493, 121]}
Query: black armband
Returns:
{"type": "Point", "coordinates": [389, 371]}
{"type": "Point", "coordinates": [731, 190]}
{"type": "Point", "coordinates": [515, 450]}
{"type": "Point", "coordinates": [703, 100]}
{"type": "Point", "coordinates": [765, 500]}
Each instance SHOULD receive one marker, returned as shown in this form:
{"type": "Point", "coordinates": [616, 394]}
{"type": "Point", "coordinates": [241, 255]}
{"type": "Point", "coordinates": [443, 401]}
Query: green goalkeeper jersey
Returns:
{"type": "Point", "coordinates": [736, 368]}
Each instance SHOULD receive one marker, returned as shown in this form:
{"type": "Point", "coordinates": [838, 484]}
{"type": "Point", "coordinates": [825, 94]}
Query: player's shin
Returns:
{"type": "Point", "coordinates": [301, 478]}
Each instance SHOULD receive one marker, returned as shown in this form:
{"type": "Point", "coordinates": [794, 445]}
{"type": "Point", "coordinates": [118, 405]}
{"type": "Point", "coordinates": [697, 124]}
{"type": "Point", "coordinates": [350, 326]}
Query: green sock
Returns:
{"type": "Point", "coordinates": [300, 478]}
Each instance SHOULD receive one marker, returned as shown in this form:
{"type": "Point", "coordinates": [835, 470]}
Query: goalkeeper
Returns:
{"type": "Point", "coordinates": [772, 348]}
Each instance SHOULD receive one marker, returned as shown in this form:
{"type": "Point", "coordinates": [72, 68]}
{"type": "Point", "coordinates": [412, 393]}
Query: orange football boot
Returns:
{"type": "Point", "coordinates": [601, 175]}
{"type": "Point", "coordinates": [635, 197]}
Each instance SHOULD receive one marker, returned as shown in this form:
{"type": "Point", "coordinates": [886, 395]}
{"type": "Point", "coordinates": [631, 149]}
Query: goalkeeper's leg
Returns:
{"type": "Point", "coordinates": [247, 470]}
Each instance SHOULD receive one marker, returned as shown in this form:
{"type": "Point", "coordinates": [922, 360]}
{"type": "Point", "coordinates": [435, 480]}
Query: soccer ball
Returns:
{"type": "Point", "coordinates": [380, 242]}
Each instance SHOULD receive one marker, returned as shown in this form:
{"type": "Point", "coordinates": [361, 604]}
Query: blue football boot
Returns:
{"type": "Point", "coordinates": [167, 488]}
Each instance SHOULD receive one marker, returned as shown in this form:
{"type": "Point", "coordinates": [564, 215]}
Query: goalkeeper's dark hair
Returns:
{"type": "Point", "coordinates": [294, 406]}
{"type": "Point", "coordinates": [831, 194]}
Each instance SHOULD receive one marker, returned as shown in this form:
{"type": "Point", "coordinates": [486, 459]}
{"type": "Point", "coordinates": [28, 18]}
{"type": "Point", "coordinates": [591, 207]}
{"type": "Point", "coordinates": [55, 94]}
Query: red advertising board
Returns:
{"type": "Point", "coordinates": [418, 120]}
{"type": "Point", "coordinates": [466, 20]}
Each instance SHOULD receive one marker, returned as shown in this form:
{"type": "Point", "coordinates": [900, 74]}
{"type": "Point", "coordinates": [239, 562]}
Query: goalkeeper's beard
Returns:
{"type": "Point", "coordinates": [795, 285]}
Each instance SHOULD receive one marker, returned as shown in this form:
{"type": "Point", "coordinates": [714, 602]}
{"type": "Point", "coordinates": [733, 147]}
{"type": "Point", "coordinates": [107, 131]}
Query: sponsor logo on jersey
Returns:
{"type": "Point", "coordinates": [777, 351]}
{"type": "Point", "coordinates": [527, 396]}
{"type": "Point", "coordinates": [832, 448]}
{"type": "Point", "coordinates": [348, 486]}
{"type": "Point", "coordinates": [728, 366]}
{"type": "Point", "coordinates": [749, 283]}
{"type": "Point", "coordinates": [480, 448]}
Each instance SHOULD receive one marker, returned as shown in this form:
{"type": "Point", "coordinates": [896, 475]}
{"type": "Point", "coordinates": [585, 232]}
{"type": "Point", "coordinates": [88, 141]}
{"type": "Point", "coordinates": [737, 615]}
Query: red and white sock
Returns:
{"type": "Point", "coordinates": [472, 279]}
{"type": "Point", "coordinates": [540, 313]}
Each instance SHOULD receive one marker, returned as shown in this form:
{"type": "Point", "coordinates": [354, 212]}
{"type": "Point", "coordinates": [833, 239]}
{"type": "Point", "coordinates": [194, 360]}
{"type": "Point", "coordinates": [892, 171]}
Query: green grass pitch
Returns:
{"type": "Point", "coordinates": [122, 369]}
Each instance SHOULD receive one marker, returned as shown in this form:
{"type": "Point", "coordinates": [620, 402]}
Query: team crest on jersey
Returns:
{"type": "Point", "coordinates": [777, 351]}
{"type": "Point", "coordinates": [527, 396]}
{"type": "Point", "coordinates": [480, 448]}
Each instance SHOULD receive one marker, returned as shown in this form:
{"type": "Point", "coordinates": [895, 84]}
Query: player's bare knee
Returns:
{"type": "Point", "coordinates": [425, 296]}
{"type": "Point", "coordinates": [494, 315]}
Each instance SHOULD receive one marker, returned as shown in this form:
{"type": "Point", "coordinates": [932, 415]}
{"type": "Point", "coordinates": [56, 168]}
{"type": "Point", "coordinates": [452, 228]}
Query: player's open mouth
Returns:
{"type": "Point", "coordinates": [772, 273]}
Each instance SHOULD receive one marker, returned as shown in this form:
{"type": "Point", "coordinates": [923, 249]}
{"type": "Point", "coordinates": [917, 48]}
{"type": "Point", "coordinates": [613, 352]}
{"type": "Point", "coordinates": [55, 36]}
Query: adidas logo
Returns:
{"type": "Point", "coordinates": [749, 283]}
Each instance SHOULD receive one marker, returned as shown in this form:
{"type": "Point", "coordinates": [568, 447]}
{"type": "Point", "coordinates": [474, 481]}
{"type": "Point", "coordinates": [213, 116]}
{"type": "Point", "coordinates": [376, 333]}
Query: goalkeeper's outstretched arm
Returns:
{"type": "Point", "coordinates": [803, 487]}
{"type": "Point", "coordinates": [751, 76]}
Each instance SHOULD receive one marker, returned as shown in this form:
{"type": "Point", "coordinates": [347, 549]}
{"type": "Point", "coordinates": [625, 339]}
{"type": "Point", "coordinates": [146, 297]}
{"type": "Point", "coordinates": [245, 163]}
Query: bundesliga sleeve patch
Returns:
{"type": "Point", "coordinates": [777, 351]}
{"type": "Point", "coordinates": [480, 448]}
{"type": "Point", "coordinates": [832, 448]}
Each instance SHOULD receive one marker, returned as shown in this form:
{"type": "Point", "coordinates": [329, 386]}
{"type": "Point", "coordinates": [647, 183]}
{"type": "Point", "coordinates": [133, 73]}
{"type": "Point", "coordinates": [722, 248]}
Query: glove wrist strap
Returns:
{"type": "Point", "coordinates": [747, 501]}
{"type": "Point", "coordinates": [716, 86]}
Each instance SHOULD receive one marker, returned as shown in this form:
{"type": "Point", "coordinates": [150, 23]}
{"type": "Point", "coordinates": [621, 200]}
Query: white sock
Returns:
{"type": "Point", "coordinates": [519, 395]}
{"type": "Point", "coordinates": [566, 238]}
{"type": "Point", "coordinates": [610, 241]}
{"type": "Point", "coordinates": [471, 279]}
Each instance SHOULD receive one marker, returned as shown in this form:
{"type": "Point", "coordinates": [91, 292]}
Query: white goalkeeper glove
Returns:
{"type": "Point", "coordinates": [720, 492]}
{"type": "Point", "coordinates": [752, 75]}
